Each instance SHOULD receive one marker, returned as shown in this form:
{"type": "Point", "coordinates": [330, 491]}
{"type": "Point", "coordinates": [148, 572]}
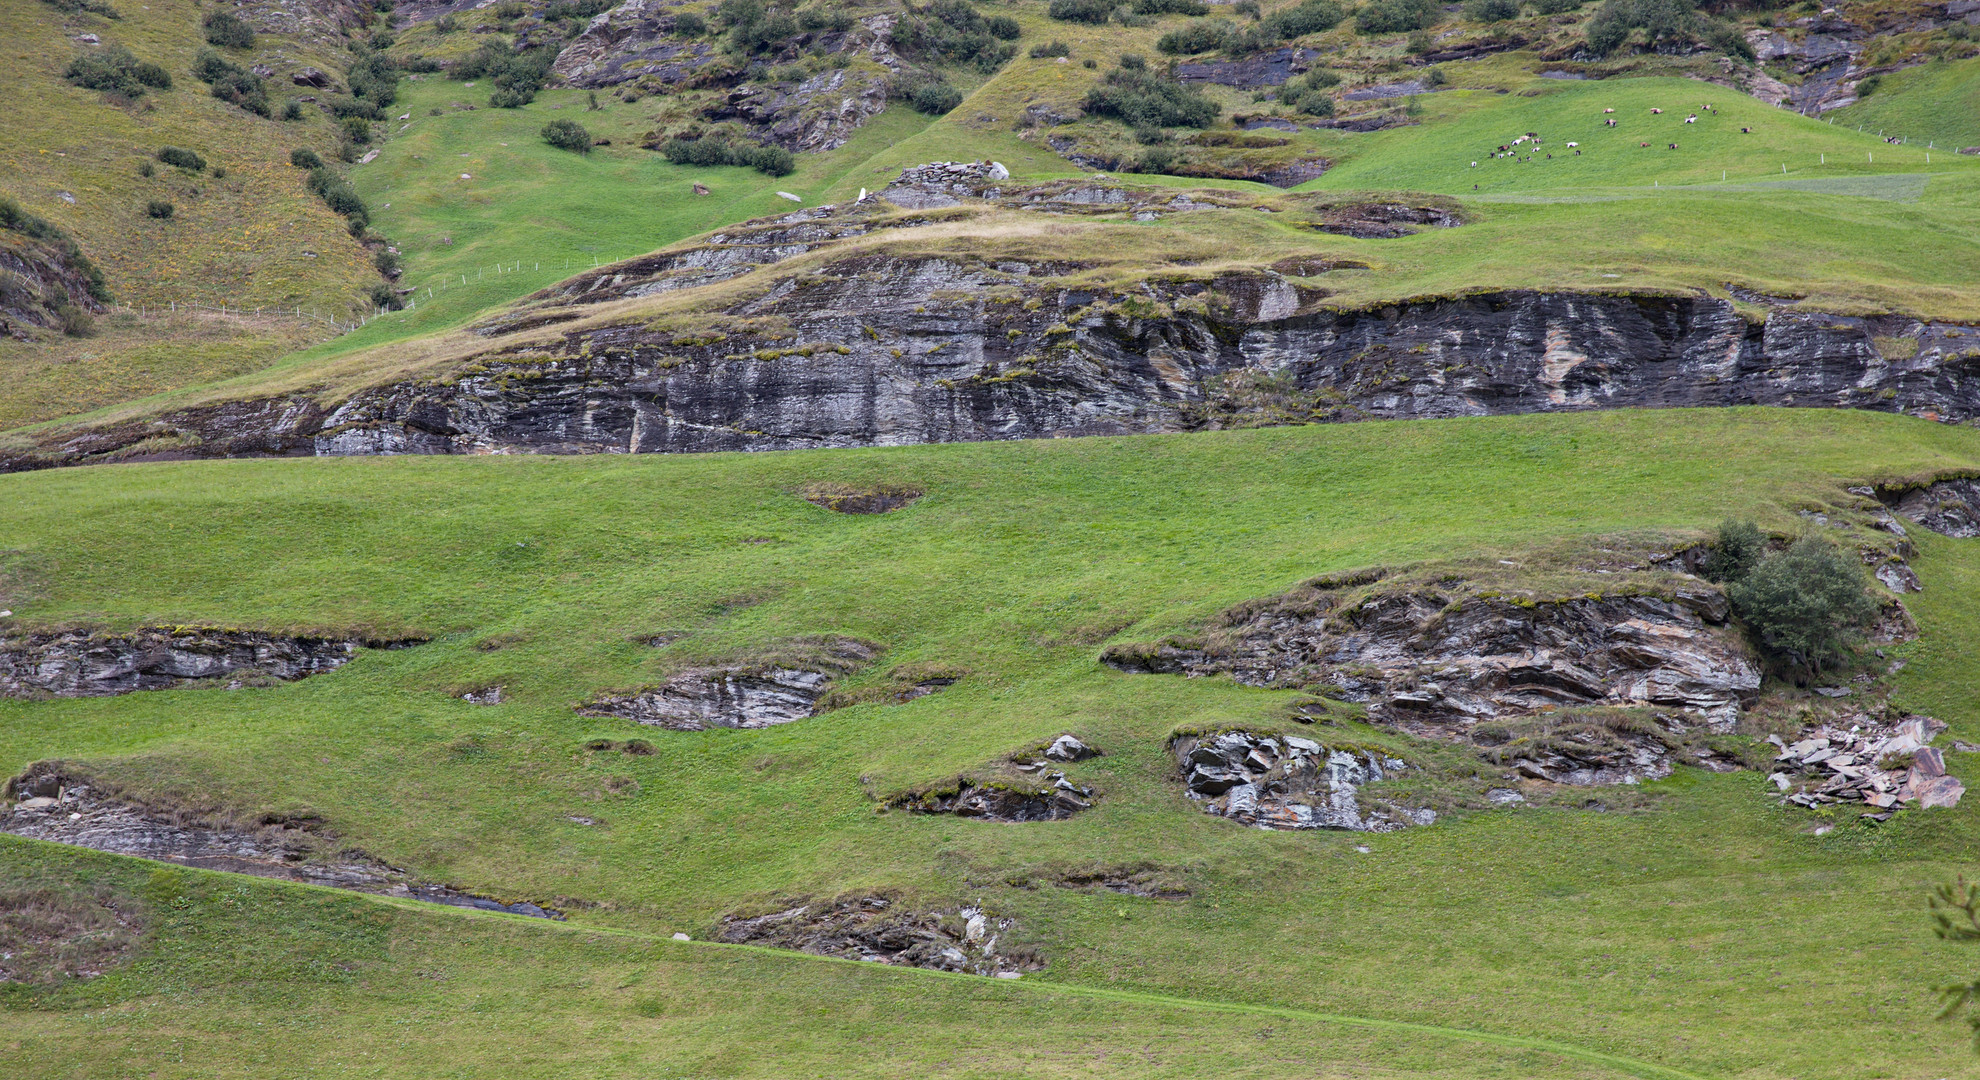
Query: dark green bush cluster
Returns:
{"type": "Point", "coordinates": [1491, 11]}
{"type": "Point", "coordinates": [690, 24]}
{"type": "Point", "coordinates": [824, 17]}
{"type": "Point", "coordinates": [567, 135]}
{"type": "Point", "coordinates": [225, 29]}
{"type": "Point", "coordinates": [952, 30]}
{"type": "Point", "coordinates": [1555, 7]}
{"type": "Point", "coordinates": [231, 82]}
{"type": "Point", "coordinates": [1664, 23]}
{"type": "Point", "coordinates": [337, 194]}
{"type": "Point", "coordinates": [374, 78]}
{"type": "Point", "coordinates": [115, 69]}
{"type": "Point", "coordinates": [1309, 93]}
{"type": "Point", "coordinates": [1170, 7]}
{"type": "Point", "coordinates": [158, 208]}
{"type": "Point", "coordinates": [1092, 12]}
{"type": "Point", "coordinates": [304, 158]}
{"type": "Point", "coordinates": [343, 108]}
{"type": "Point", "coordinates": [577, 9]}
{"type": "Point", "coordinates": [15, 219]}
{"type": "Point", "coordinates": [1807, 605]}
{"type": "Point", "coordinates": [756, 27]}
{"type": "Point", "coordinates": [1140, 98]}
{"type": "Point", "coordinates": [1396, 16]}
{"type": "Point", "coordinates": [385, 299]}
{"type": "Point", "coordinates": [181, 158]}
{"type": "Point", "coordinates": [1312, 17]}
{"type": "Point", "coordinates": [1046, 49]}
{"type": "Point", "coordinates": [517, 75]}
{"type": "Point", "coordinates": [715, 150]}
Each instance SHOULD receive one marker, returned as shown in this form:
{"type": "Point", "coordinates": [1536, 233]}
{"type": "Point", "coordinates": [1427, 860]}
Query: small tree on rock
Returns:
{"type": "Point", "coordinates": [1735, 551]}
{"type": "Point", "coordinates": [1808, 603]}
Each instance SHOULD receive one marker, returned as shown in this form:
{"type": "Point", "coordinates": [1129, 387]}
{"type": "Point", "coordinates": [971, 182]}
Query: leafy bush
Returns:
{"type": "Point", "coordinates": [935, 97]}
{"type": "Point", "coordinates": [292, 109]}
{"type": "Point", "coordinates": [1663, 22]}
{"type": "Point", "coordinates": [1133, 62]}
{"type": "Point", "coordinates": [1312, 17]}
{"type": "Point", "coordinates": [226, 30]}
{"type": "Point", "coordinates": [517, 75]}
{"type": "Point", "coordinates": [690, 24]}
{"type": "Point", "coordinates": [94, 7]}
{"type": "Point", "coordinates": [1736, 549]}
{"type": "Point", "coordinates": [147, 170]}
{"type": "Point", "coordinates": [1170, 7]}
{"type": "Point", "coordinates": [1316, 103]}
{"type": "Point", "coordinates": [384, 299]}
{"type": "Point", "coordinates": [1091, 12]}
{"type": "Point", "coordinates": [1491, 11]}
{"type": "Point", "coordinates": [181, 158]}
{"type": "Point", "coordinates": [1808, 602]}
{"type": "Point", "coordinates": [158, 208]}
{"type": "Point", "coordinates": [1396, 16]}
{"type": "Point", "coordinates": [345, 107]}
{"type": "Point", "coordinates": [335, 192]}
{"type": "Point", "coordinates": [952, 30]}
{"type": "Point", "coordinates": [1200, 37]}
{"type": "Point", "coordinates": [713, 150]}
{"type": "Point", "coordinates": [305, 158]}
{"type": "Point", "coordinates": [374, 78]}
{"type": "Point", "coordinates": [75, 322]}
{"type": "Point", "coordinates": [567, 135]}
{"type": "Point", "coordinates": [231, 82]}
{"type": "Point", "coordinates": [357, 129]}
{"type": "Point", "coordinates": [1156, 159]}
{"type": "Point", "coordinates": [1046, 49]}
{"type": "Point", "coordinates": [1556, 7]}
{"type": "Point", "coordinates": [115, 69]}
{"type": "Point", "coordinates": [1138, 98]}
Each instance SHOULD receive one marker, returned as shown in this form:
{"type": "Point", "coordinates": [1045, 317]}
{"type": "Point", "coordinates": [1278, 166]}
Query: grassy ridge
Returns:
{"type": "Point", "coordinates": [1699, 934]}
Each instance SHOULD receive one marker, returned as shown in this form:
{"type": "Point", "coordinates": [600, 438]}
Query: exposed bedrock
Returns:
{"type": "Point", "coordinates": [883, 350]}
{"type": "Point", "coordinates": [878, 929]}
{"type": "Point", "coordinates": [772, 690]}
{"type": "Point", "coordinates": [1288, 782]}
{"type": "Point", "coordinates": [82, 664]}
{"type": "Point", "coordinates": [1950, 507]}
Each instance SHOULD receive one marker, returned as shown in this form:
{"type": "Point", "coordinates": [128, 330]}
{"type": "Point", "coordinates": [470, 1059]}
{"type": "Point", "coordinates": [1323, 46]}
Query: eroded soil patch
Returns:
{"type": "Point", "coordinates": [47, 935]}
{"type": "Point", "coordinates": [878, 929]}
{"type": "Point", "coordinates": [849, 499]}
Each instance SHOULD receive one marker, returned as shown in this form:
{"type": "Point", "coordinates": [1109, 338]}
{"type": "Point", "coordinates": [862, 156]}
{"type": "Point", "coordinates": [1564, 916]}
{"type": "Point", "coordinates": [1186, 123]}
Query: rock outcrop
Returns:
{"type": "Point", "coordinates": [1437, 661]}
{"type": "Point", "coordinates": [881, 347]}
{"type": "Point", "coordinates": [43, 278]}
{"type": "Point", "coordinates": [755, 695]}
{"type": "Point", "coordinates": [819, 113]}
{"type": "Point", "coordinates": [633, 40]}
{"type": "Point", "coordinates": [1949, 507]}
{"type": "Point", "coordinates": [50, 802]}
{"type": "Point", "coordinates": [1288, 782]}
{"type": "Point", "coordinates": [83, 664]}
{"type": "Point", "coordinates": [877, 929]}
{"type": "Point", "coordinates": [1883, 767]}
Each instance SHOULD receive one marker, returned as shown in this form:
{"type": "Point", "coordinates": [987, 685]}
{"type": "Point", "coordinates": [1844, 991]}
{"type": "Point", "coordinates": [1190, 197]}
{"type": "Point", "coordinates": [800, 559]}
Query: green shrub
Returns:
{"type": "Point", "coordinates": [384, 299]}
{"type": "Point", "coordinates": [1556, 7]}
{"type": "Point", "coordinates": [517, 75]}
{"type": "Point", "coordinates": [1141, 98]}
{"type": "Point", "coordinates": [1046, 49]}
{"type": "Point", "coordinates": [231, 82]}
{"type": "Point", "coordinates": [226, 30]}
{"type": "Point", "coordinates": [1807, 603]}
{"type": "Point", "coordinates": [1665, 23]}
{"type": "Point", "coordinates": [292, 110]}
{"type": "Point", "coordinates": [1434, 76]}
{"type": "Point", "coordinates": [1157, 159]}
{"type": "Point", "coordinates": [1312, 17]}
{"type": "Point", "coordinates": [386, 262]}
{"type": "Point", "coordinates": [93, 7]}
{"type": "Point", "coordinates": [219, 172]}
{"type": "Point", "coordinates": [936, 98]}
{"type": "Point", "coordinates": [346, 107]}
{"type": "Point", "coordinates": [1091, 12]}
{"type": "Point", "coordinates": [336, 192]}
{"type": "Point", "coordinates": [712, 150]}
{"type": "Point", "coordinates": [1396, 16]}
{"type": "Point", "coordinates": [567, 135]}
{"type": "Point", "coordinates": [75, 322]}
{"type": "Point", "coordinates": [181, 158]}
{"type": "Point", "coordinates": [1491, 11]}
{"type": "Point", "coordinates": [770, 160]}
{"type": "Point", "coordinates": [1248, 7]}
{"type": "Point", "coordinates": [1199, 37]}
{"type": "Point", "coordinates": [1866, 87]}
{"type": "Point", "coordinates": [952, 30]}
{"type": "Point", "coordinates": [357, 129]}
{"type": "Point", "coordinates": [1736, 549]}
{"type": "Point", "coordinates": [147, 170]}
{"type": "Point", "coordinates": [158, 208]}
{"type": "Point", "coordinates": [1316, 103]}
{"type": "Point", "coordinates": [374, 78]}
{"type": "Point", "coordinates": [690, 24]}
{"type": "Point", "coordinates": [1170, 7]}
{"type": "Point", "coordinates": [114, 69]}
{"type": "Point", "coordinates": [305, 158]}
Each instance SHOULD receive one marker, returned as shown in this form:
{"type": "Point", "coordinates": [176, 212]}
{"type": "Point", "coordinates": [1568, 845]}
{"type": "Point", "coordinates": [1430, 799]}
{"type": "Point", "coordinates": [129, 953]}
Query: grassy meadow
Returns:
{"type": "Point", "coordinates": [1696, 928]}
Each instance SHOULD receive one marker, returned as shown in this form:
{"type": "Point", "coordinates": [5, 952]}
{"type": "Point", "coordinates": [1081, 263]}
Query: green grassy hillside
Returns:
{"type": "Point", "coordinates": [1931, 104]}
{"type": "Point", "coordinates": [1697, 928]}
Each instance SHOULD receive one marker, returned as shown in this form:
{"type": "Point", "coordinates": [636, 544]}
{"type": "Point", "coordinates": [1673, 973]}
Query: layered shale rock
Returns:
{"type": "Point", "coordinates": [94, 664]}
{"type": "Point", "coordinates": [775, 690]}
{"type": "Point", "coordinates": [870, 342]}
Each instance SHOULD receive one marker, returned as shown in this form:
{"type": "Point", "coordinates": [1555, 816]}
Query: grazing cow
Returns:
{"type": "Point", "coordinates": [1656, 112]}
{"type": "Point", "coordinates": [1746, 131]}
{"type": "Point", "coordinates": [1674, 146]}
{"type": "Point", "coordinates": [1572, 145]}
{"type": "Point", "coordinates": [1608, 110]}
{"type": "Point", "coordinates": [1643, 144]}
{"type": "Point", "coordinates": [1691, 119]}
{"type": "Point", "coordinates": [1611, 123]}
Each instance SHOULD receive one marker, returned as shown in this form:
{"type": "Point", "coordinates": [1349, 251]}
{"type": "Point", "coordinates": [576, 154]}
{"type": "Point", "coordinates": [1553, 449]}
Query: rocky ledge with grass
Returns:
{"type": "Point", "coordinates": [845, 331]}
{"type": "Point", "coordinates": [881, 929]}
{"type": "Point", "coordinates": [81, 663]}
{"type": "Point", "coordinates": [1290, 782]}
{"type": "Point", "coordinates": [780, 686]}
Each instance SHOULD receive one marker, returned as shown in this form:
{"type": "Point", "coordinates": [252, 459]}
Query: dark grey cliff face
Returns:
{"type": "Point", "coordinates": [98, 665]}
{"type": "Point", "coordinates": [879, 349]}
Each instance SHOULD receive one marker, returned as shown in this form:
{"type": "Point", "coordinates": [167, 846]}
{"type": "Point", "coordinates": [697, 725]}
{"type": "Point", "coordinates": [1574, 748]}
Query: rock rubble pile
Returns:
{"type": "Point", "coordinates": [876, 929]}
{"type": "Point", "coordinates": [1884, 768]}
{"type": "Point", "coordinates": [1289, 782]}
